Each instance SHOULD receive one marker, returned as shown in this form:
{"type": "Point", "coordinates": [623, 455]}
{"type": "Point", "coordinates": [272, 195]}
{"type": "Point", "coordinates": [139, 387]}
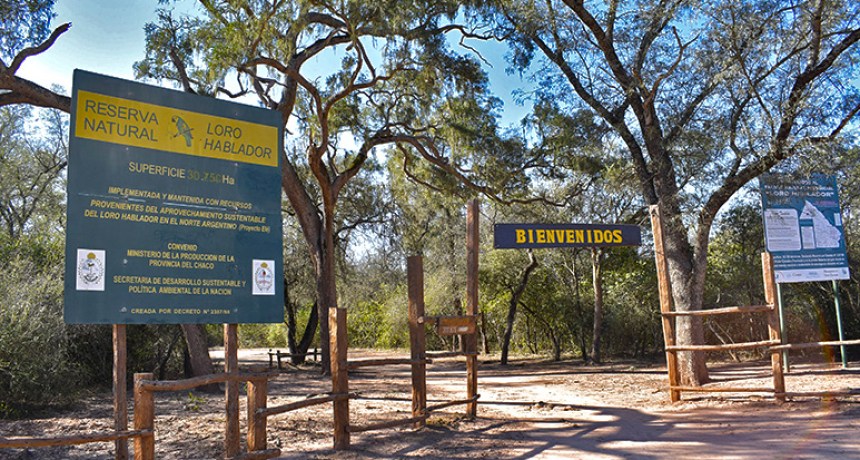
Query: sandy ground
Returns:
{"type": "Point", "coordinates": [528, 410]}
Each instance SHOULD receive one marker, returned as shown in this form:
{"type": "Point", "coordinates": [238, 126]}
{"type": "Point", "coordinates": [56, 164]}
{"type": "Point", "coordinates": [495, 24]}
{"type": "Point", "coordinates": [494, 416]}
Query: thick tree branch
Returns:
{"type": "Point", "coordinates": [32, 51]}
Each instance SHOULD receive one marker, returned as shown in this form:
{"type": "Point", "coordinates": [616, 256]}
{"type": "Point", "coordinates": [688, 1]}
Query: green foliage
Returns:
{"type": "Point", "coordinates": [35, 364]}
{"type": "Point", "coordinates": [23, 23]}
{"type": "Point", "coordinates": [194, 403]}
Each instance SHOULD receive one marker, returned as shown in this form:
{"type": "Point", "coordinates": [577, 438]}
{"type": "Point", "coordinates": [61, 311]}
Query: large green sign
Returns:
{"type": "Point", "coordinates": [174, 207]}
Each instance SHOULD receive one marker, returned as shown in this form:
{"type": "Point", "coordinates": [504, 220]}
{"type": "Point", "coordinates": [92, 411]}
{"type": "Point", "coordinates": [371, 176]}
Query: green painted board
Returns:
{"type": "Point", "coordinates": [174, 207]}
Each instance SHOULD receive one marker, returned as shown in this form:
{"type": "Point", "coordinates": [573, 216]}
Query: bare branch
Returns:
{"type": "Point", "coordinates": [28, 52]}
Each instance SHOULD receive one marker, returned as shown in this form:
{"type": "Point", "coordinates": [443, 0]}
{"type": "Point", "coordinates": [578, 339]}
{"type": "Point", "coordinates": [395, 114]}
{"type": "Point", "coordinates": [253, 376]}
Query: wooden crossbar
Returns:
{"type": "Point", "coordinates": [706, 389]}
{"type": "Point", "coordinates": [449, 354]}
{"type": "Point", "coordinates": [284, 408]}
{"type": "Point", "coordinates": [728, 346]}
{"type": "Point", "coordinates": [452, 403]}
{"type": "Point", "coordinates": [435, 319]}
{"type": "Point", "coordinates": [721, 311]}
{"type": "Point", "coordinates": [384, 425]}
{"type": "Point", "coordinates": [383, 362]}
{"type": "Point", "coordinates": [72, 440]}
{"type": "Point", "coordinates": [174, 385]}
{"type": "Point", "coordinates": [798, 346]}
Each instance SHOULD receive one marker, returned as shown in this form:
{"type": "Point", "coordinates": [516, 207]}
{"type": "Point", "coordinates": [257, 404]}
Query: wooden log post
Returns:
{"type": "Point", "coordinates": [470, 341]}
{"type": "Point", "coordinates": [144, 418]}
{"type": "Point", "coordinates": [231, 365]}
{"type": "Point", "coordinates": [339, 376]}
{"type": "Point", "coordinates": [773, 324]}
{"type": "Point", "coordinates": [120, 395]}
{"type": "Point", "coordinates": [665, 289]}
{"type": "Point", "coordinates": [417, 338]}
{"type": "Point", "coordinates": [257, 399]}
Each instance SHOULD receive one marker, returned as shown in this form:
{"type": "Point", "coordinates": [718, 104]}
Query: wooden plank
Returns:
{"type": "Point", "coordinates": [175, 385]}
{"type": "Point", "coordinates": [120, 394]}
{"type": "Point", "coordinates": [722, 311]}
{"type": "Point", "coordinates": [340, 376]}
{"type": "Point", "coordinates": [457, 325]}
{"type": "Point", "coordinates": [707, 389]}
{"type": "Point", "coordinates": [665, 291]}
{"type": "Point", "coordinates": [144, 418]}
{"type": "Point", "coordinates": [384, 425]}
{"type": "Point", "coordinates": [728, 346]}
{"type": "Point", "coordinates": [417, 336]}
{"type": "Point", "coordinates": [382, 362]}
{"type": "Point", "coordinates": [231, 366]}
{"type": "Point", "coordinates": [449, 354]}
{"type": "Point", "coordinates": [452, 403]}
{"type": "Point", "coordinates": [71, 440]}
{"type": "Point", "coordinates": [470, 341]}
{"type": "Point", "coordinates": [284, 408]}
{"type": "Point", "coordinates": [799, 346]}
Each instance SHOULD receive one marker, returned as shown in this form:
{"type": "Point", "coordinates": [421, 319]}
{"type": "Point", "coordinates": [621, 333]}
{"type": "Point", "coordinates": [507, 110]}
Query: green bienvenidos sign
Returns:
{"type": "Point", "coordinates": [174, 207]}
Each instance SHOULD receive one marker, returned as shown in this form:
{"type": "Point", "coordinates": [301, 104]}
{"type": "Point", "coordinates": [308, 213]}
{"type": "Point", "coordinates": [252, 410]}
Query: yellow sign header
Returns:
{"type": "Point", "coordinates": [127, 122]}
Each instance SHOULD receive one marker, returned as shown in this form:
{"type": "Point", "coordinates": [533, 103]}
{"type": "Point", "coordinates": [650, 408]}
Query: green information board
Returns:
{"type": "Point", "coordinates": [174, 207]}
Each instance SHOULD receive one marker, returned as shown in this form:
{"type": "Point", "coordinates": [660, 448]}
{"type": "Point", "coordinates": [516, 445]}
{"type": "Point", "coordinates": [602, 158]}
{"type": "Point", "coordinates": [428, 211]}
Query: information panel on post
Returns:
{"type": "Point", "coordinates": [174, 207]}
{"type": "Point", "coordinates": [803, 228]}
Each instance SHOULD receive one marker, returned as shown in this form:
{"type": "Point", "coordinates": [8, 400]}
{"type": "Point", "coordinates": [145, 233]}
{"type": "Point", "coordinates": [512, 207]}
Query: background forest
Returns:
{"type": "Point", "coordinates": [413, 146]}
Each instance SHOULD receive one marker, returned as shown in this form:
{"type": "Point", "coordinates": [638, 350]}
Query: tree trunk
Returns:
{"type": "Point", "coordinates": [326, 296]}
{"type": "Point", "coordinates": [290, 321]}
{"type": "Point", "coordinates": [687, 295]}
{"type": "Point", "coordinates": [198, 353]}
{"type": "Point", "coordinates": [512, 307]}
{"type": "Point", "coordinates": [484, 343]}
{"type": "Point", "coordinates": [597, 277]}
{"type": "Point", "coordinates": [308, 336]}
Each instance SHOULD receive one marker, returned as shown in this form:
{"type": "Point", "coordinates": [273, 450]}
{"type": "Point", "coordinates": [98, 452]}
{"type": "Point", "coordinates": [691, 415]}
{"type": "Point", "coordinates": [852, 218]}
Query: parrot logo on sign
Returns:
{"type": "Point", "coordinates": [182, 129]}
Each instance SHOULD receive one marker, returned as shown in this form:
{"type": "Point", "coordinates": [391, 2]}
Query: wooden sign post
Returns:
{"type": "Point", "coordinates": [120, 398]}
{"type": "Point", "coordinates": [470, 341]}
{"type": "Point", "coordinates": [415, 277]}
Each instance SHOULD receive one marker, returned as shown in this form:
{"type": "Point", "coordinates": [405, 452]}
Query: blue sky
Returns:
{"type": "Point", "coordinates": [107, 37]}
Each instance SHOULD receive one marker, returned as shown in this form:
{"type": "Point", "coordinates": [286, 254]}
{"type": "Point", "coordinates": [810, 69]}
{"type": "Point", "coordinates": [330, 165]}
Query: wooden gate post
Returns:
{"type": "Point", "coordinates": [120, 395]}
{"type": "Point", "coordinates": [470, 341]}
{"type": "Point", "coordinates": [257, 399]}
{"type": "Point", "coordinates": [144, 418]}
{"type": "Point", "coordinates": [773, 324]}
{"type": "Point", "coordinates": [665, 289]}
{"type": "Point", "coordinates": [339, 376]}
{"type": "Point", "coordinates": [417, 339]}
{"type": "Point", "coordinates": [231, 365]}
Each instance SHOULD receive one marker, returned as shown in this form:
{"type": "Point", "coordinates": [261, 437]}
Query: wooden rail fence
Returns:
{"type": "Point", "coordinates": [773, 344]}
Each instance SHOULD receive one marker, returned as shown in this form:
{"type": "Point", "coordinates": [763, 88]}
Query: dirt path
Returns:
{"type": "Point", "coordinates": [530, 410]}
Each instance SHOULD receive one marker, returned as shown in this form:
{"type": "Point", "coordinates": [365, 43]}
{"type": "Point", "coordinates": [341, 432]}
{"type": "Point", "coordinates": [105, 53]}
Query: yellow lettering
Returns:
{"type": "Point", "coordinates": [579, 236]}
{"type": "Point", "coordinates": [617, 235]}
{"type": "Point", "coordinates": [521, 235]}
{"type": "Point", "coordinates": [531, 236]}
{"type": "Point", "coordinates": [541, 236]}
{"type": "Point", "coordinates": [560, 235]}
{"type": "Point", "coordinates": [550, 236]}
